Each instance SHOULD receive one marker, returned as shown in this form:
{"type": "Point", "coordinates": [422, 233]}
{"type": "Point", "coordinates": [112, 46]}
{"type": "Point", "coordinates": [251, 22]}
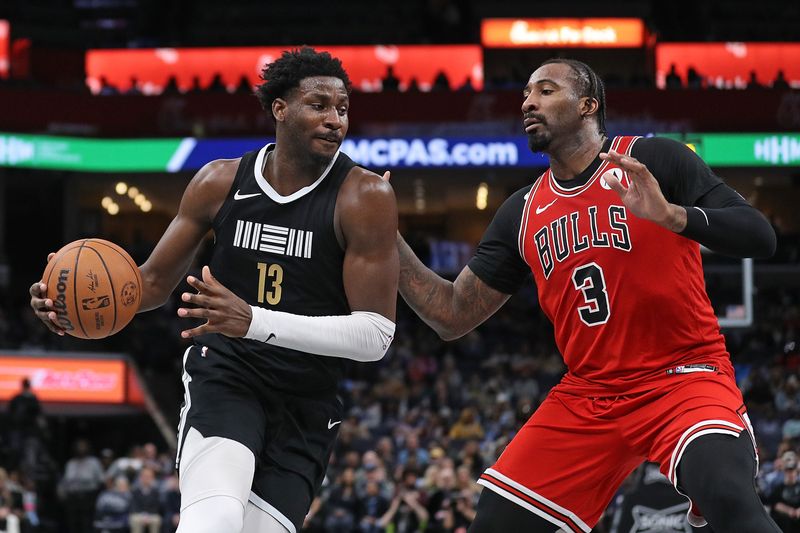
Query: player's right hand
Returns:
{"type": "Point", "coordinates": [43, 306]}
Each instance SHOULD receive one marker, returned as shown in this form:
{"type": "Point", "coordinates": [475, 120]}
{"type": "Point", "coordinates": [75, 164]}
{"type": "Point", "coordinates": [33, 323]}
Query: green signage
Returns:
{"type": "Point", "coordinates": [98, 155]}
{"type": "Point", "coordinates": [744, 149]}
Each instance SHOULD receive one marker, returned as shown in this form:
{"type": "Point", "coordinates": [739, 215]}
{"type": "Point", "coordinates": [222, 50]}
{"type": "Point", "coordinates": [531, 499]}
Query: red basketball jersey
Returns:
{"type": "Point", "coordinates": [626, 296]}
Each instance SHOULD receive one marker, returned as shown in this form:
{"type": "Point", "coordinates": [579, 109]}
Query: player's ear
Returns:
{"type": "Point", "coordinates": [588, 106]}
{"type": "Point", "coordinates": [279, 109]}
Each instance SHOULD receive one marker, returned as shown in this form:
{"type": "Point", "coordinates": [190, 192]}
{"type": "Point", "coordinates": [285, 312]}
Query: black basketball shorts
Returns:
{"type": "Point", "coordinates": [292, 437]}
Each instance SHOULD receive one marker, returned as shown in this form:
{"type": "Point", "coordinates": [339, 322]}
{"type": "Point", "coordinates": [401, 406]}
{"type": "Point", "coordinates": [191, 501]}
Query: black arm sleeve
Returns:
{"type": "Point", "coordinates": [497, 261]}
{"type": "Point", "coordinates": [725, 223]}
{"type": "Point", "coordinates": [717, 216]}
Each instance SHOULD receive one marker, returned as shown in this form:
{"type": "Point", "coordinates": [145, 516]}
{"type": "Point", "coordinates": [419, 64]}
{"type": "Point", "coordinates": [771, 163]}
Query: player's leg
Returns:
{"type": "Point", "coordinates": [705, 448]}
{"type": "Point", "coordinates": [258, 521]}
{"type": "Point", "coordinates": [293, 464]}
{"type": "Point", "coordinates": [222, 427]}
{"type": "Point", "coordinates": [562, 469]}
{"type": "Point", "coordinates": [718, 473]}
{"type": "Point", "coordinates": [216, 474]}
{"type": "Point", "coordinates": [496, 514]}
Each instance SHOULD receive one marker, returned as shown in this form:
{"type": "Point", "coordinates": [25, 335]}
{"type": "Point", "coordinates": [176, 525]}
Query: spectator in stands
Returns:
{"type": "Point", "coordinates": [467, 86]}
{"type": "Point", "coordinates": [106, 89]}
{"type": "Point", "coordinates": [407, 512]}
{"type": "Point", "coordinates": [342, 504]}
{"type": "Point", "coordinates": [151, 460]}
{"type": "Point", "coordinates": [196, 87]}
{"type": "Point", "coordinates": [217, 85]}
{"type": "Point", "coordinates": [171, 87]}
{"type": "Point", "coordinates": [673, 78]}
{"type": "Point", "coordinates": [171, 504]}
{"type": "Point", "coordinates": [411, 449]}
{"type": "Point", "coordinates": [113, 506]}
{"type": "Point", "coordinates": [134, 88]}
{"type": "Point", "coordinates": [786, 499]}
{"type": "Point", "coordinates": [83, 479]}
{"type": "Point", "coordinates": [244, 86]}
{"type": "Point", "coordinates": [693, 79]}
{"type": "Point", "coordinates": [440, 82]}
{"type": "Point", "coordinates": [390, 82]}
{"type": "Point", "coordinates": [467, 426]}
{"type": "Point", "coordinates": [24, 419]}
{"type": "Point", "coordinates": [145, 504]}
{"type": "Point", "coordinates": [780, 81]}
{"type": "Point", "coordinates": [371, 509]}
{"type": "Point", "coordinates": [10, 504]}
{"type": "Point", "coordinates": [752, 82]}
{"type": "Point", "coordinates": [129, 465]}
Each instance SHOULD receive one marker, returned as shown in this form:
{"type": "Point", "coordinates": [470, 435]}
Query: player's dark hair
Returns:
{"type": "Point", "coordinates": [286, 72]}
{"type": "Point", "coordinates": [588, 84]}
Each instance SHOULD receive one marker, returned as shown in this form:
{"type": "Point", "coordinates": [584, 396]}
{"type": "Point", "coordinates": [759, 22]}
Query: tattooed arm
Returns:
{"type": "Point", "coordinates": [452, 309]}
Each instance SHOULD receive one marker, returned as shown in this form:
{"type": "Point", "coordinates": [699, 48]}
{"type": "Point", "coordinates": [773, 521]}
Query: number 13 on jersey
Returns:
{"type": "Point", "coordinates": [273, 274]}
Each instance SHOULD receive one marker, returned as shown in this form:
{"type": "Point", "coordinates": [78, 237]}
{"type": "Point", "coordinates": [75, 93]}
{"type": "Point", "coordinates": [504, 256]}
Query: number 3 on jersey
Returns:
{"type": "Point", "coordinates": [274, 274]}
{"type": "Point", "coordinates": [590, 281]}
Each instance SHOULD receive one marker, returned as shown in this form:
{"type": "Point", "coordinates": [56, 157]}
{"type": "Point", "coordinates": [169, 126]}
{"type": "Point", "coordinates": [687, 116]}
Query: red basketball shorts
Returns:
{"type": "Point", "coordinates": [570, 457]}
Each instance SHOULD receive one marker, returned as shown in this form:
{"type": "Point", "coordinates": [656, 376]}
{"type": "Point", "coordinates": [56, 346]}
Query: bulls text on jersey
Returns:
{"type": "Point", "coordinates": [563, 236]}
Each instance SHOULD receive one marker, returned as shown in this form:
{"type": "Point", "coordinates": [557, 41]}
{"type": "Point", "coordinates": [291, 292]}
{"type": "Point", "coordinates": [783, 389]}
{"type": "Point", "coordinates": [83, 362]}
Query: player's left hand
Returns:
{"type": "Point", "coordinates": [224, 312]}
{"type": "Point", "coordinates": [643, 197]}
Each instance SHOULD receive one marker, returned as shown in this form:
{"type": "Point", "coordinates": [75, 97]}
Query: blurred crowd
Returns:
{"type": "Point", "coordinates": [421, 425]}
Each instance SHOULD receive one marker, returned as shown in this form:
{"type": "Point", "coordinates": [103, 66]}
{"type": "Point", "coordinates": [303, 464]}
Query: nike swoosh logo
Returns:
{"type": "Point", "coordinates": [270, 337]}
{"type": "Point", "coordinates": [238, 196]}
{"type": "Point", "coordinates": [540, 209]}
{"type": "Point", "coordinates": [331, 423]}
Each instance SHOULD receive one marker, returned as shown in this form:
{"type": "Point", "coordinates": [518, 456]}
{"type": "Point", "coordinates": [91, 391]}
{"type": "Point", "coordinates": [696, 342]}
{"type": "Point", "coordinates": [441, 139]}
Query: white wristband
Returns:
{"type": "Point", "coordinates": [361, 336]}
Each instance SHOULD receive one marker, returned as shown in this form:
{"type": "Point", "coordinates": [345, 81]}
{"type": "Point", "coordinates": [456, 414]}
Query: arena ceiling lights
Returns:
{"type": "Point", "coordinates": [563, 33]}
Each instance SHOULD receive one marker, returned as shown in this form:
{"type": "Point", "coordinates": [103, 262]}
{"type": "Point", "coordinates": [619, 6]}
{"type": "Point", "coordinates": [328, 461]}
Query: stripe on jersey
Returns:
{"type": "Point", "coordinates": [536, 503]}
{"type": "Point", "coordinates": [187, 404]}
{"type": "Point", "coordinates": [706, 427]}
{"type": "Point", "coordinates": [526, 210]}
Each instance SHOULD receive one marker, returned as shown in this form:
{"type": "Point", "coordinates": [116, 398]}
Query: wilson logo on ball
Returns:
{"type": "Point", "coordinates": [59, 302]}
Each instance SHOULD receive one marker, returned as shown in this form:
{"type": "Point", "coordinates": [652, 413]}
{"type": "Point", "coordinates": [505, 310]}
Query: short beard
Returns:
{"type": "Point", "coordinates": [320, 159]}
{"type": "Point", "coordinates": [538, 142]}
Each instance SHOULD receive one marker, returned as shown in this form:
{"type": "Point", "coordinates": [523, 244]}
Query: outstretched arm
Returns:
{"type": "Point", "coordinates": [452, 309]}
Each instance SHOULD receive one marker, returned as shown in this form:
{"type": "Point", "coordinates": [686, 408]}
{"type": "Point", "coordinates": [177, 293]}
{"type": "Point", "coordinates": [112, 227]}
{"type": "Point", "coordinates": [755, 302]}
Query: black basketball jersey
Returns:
{"type": "Point", "coordinates": [281, 253]}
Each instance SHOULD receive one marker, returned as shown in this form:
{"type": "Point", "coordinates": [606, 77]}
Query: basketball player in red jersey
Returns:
{"type": "Point", "coordinates": [612, 233]}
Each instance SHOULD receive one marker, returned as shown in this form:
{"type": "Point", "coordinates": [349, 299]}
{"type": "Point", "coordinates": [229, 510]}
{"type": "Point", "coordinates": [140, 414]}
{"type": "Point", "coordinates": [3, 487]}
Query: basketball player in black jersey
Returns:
{"type": "Point", "coordinates": [303, 275]}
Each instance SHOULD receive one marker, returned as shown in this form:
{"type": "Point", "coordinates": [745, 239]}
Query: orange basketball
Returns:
{"type": "Point", "coordinates": [95, 286]}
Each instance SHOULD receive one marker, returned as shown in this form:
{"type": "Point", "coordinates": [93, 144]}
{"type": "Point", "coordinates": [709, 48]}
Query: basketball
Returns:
{"type": "Point", "coordinates": [95, 286]}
